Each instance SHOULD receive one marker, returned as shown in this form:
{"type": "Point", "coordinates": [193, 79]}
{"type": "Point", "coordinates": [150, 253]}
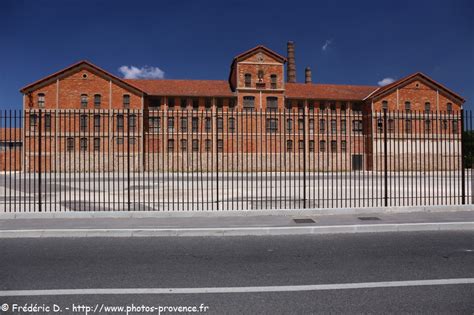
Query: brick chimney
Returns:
{"type": "Point", "coordinates": [307, 75]}
{"type": "Point", "coordinates": [291, 68]}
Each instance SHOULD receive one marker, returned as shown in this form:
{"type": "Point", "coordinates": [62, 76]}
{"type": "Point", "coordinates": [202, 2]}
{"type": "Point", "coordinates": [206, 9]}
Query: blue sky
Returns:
{"type": "Point", "coordinates": [344, 42]}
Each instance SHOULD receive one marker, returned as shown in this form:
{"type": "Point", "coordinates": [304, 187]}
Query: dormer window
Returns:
{"type": "Point", "coordinates": [41, 100]}
{"type": "Point", "coordinates": [248, 80]}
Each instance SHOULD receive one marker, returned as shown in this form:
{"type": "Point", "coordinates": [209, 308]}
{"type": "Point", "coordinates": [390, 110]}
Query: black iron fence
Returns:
{"type": "Point", "coordinates": [187, 160]}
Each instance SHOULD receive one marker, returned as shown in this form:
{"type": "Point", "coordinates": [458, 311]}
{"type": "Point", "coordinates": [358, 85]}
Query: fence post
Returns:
{"type": "Point", "coordinates": [463, 171]}
{"type": "Point", "coordinates": [39, 160]}
{"type": "Point", "coordinates": [304, 158]}
{"type": "Point", "coordinates": [216, 118]}
{"type": "Point", "coordinates": [128, 158]}
{"type": "Point", "coordinates": [385, 157]}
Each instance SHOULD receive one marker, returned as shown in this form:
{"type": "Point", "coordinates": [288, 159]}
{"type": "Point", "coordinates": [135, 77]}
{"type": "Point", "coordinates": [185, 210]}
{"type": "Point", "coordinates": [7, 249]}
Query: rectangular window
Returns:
{"type": "Point", "coordinates": [83, 144]}
{"type": "Point", "coordinates": [170, 145]}
{"type": "Point", "coordinates": [391, 125]}
{"type": "Point", "coordinates": [97, 100]}
{"type": "Point", "coordinates": [455, 127]}
{"type": "Point", "coordinates": [322, 125]}
{"type": "Point", "coordinates": [333, 146]}
{"type": "Point", "coordinates": [119, 140]}
{"type": "Point", "coordinates": [208, 103]}
{"type": "Point", "coordinates": [357, 126]}
{"type": "Point", "coordinates": [449, 108]}
{"type": "Point", "coordinates": [70, 144]}
{"type": "Point", "coordinates": [333, 108]}
{"type": "Point", "coordinates": [343, 108]}
{"type": "Point", "coordinates": [184, 124]}
{"type": "Point", "coordinates": [220, 124]}
{"type": "Point", "coordinates": [40, 100]}
{"type": "Point", "coordinates": [311, 145]}
{"type": "Point", "coordinates": [408, 107]}
{"type": "Point", "coordinates": [357, 108]}
{"type": "Point", "coordinates": [120, 123]}
{"type": "Point", "coordinates": [170, 124]}
{"type": "Point", "coordinates": [195, 103]}
{"type": "Point", "coordinates": [249, 103]}
{"type": "Point", "coordinates": [301, 145]}
{"type": "Point", "coordinates": [333, 126]}
{"type": "Point", "coordinates": [96, 123]}
{"type": "Point", "coordinates": [289, 145]}
{"type": "Point", "coordinates": [184, 145]}
{"type": "Point", "coordinates": [155, 103]}
{"type": "Point", "coordinates": [208, 124]}
{"type": "Point", "coordinates": [408, 126]}
{"type": "Point", "coordinates": [220, 145]}
{"type": "Point", "coordinates": [273, 81]}
{"type": "Point", "coordinates": [132, 141]}
{"type": "Point", "coordinates": [47, 122]}
{"type": "Point", "coordinates": [195, 124]}
{"type": "Point", "coordinates": [170, 103]}
{"type": "Point", "coordinates": [208, 145]}
{"type": "Point", "coordinates": [343, 146]}
{"type": "Point", "coordinates": [301, 124]}
{"type": "Point", "coordinates": [272, 104]}
{"type": "Point", "coordinates": [427, 108]}
{"type": "Point", "coordinates": [311, 125]}
{"type": "Point", "coordinates": [184, 103]}
{"type": "Point", "coordinates": [126, 101]}
{"type": "Point", "coordinates": [322, 107]}
{"type": "Point", "coordinates": [271, 125]}
{"type": "Point", "coordinates": [96, 144]}
{"type": "Point", "coordinates": [322, 146]}
{"type": "Point", "coordinates": [248, 80]}
{"type": "Point", "coordinates": [220, 102]}
{"type": "Point", "coordinates": [427, 125]}
{"type": "Point", "coordinates": [231, 124]}
{"type": "Point", "coordinates": [195, 145]}
{"type": "Point", "coordinates": [154, 124]}
{"type": "Point", "coordinates": [83, 123]}
{"type": "Point", "coordinates": [343, 126]}
{"type": "Point", "coordinates": [132, 123]}
{"type": "Point", "coordinates": [289, 124]}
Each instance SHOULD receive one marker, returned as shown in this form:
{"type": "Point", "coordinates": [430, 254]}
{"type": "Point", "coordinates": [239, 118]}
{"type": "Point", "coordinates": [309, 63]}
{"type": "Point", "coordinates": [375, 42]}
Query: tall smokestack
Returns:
{"type": "Point", "coordinates": [307, 75]}
{"type": "Point", "coordinates": [291, 68]}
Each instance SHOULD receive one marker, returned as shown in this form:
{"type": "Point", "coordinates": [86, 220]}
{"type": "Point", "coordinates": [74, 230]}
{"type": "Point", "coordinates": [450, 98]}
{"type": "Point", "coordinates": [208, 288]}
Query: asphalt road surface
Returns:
{"type": "Point", "coordinates": [270, 272]}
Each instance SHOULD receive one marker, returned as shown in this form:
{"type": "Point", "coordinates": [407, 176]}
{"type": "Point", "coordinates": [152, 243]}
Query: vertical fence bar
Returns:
{"type": "Point", "coordinates": [385, 157]}
{"type": "Point", "coordinates": [463, 172]}
{"type": "Point", "coordinates": [39, 161]}
{"type": "Point", "coordinates": [128, 158]}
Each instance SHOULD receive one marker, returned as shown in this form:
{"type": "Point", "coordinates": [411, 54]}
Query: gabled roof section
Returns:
{"type": "Point", "coordinates": [206, 88]}
{"type": "Point", "coordinates": [328, 91]}
{"type": "Point", "coordinates": [250, 52]}
{"type": "Point", "coordinates": [256, 49]}
{"type": "Point", "coordinates": [406, 80]}
{"type": "Point", "coordinates": [80, 64]}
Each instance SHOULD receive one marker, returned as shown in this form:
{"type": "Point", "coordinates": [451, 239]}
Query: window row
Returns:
{"type": "Point", "coordinates": [184, 102]}
{"type": "Point", "coordinates": [248, 81]}
{"type": "Point", "coordinates": [96, 143]}
{"type": "Point", "coordinates": [84, 122]}
{"type": "Point", "coordinates": [84, 100]}
{"type": "Point", "coordinates": [427, 107]}
{"type": "Point", "coordinates": [409, 126]}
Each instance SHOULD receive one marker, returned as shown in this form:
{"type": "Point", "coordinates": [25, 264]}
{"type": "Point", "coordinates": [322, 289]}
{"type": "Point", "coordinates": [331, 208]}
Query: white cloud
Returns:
{"type": "Point", "coordinates": [145, 72]}
{"type": "Point", "coordinates": [385, 81]}
{"type": "Point", "coordinates": [326, 44]}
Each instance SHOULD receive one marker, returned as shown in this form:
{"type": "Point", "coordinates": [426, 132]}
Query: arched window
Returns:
{"type": "Point", "coordinates": [84, 100]}
{"type": "Point", "coordinates": [41, 100]}
{"type": "Point", "coordinates": [248, 80]}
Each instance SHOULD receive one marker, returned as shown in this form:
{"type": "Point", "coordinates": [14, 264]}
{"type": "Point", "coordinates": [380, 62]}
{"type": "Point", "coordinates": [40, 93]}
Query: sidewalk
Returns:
{"type": "Point", "coordinates": [236, 225]}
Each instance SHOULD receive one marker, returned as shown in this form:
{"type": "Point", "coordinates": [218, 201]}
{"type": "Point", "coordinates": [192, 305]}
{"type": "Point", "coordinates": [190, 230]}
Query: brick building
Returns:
{"type": "Point", "coordinates": [89, 119]}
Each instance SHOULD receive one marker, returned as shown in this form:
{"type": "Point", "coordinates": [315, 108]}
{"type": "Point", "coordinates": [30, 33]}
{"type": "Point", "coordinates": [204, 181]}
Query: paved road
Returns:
{"type": "Point", "coordinates": [41, 264]}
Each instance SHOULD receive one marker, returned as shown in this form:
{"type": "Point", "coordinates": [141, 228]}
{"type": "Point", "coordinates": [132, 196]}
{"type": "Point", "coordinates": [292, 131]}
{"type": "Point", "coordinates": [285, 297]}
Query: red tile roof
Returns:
{"type": "Point", "coordinates": [10, 134]}
{"type": "Point", "coordinates": [183, 87]}
{"type": "Point", "coordinates": [328, 91]}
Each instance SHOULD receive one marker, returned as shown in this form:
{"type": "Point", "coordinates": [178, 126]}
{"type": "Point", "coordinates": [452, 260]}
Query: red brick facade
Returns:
{"type": "Point", "coordinates": [168, 112]}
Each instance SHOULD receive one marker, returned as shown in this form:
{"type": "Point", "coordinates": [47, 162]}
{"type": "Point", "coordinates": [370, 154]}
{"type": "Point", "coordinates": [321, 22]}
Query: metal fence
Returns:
{"type": "Point", "coordinates": [189, 160]}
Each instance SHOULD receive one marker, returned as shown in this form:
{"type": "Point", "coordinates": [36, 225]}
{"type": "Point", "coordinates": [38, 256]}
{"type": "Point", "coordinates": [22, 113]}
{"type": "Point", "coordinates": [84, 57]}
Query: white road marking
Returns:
{"type": "Point", "coordinates": [284, 288]}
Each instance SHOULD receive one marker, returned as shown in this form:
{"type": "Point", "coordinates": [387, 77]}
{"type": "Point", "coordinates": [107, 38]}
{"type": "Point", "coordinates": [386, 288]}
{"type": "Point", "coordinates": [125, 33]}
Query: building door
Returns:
{"type": "Point", "coordinates": [357, 162]}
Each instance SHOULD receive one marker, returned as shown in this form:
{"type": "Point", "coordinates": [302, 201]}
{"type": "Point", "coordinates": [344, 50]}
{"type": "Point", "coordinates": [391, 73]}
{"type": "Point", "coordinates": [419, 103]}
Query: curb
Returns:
{"type": "Point", "coordinates": [242, 231]}
{"type": "Point", "coordinates": [230, 213]}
